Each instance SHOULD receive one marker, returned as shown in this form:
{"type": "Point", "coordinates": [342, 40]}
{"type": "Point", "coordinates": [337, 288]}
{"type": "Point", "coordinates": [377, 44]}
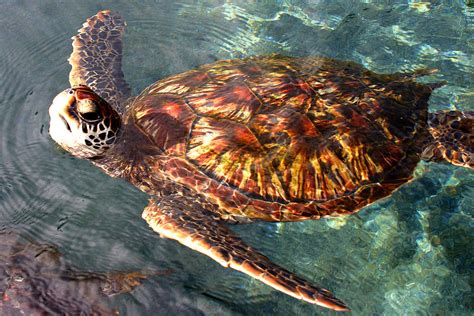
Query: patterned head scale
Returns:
{"type": "Point", "coordinates": [83, 123]}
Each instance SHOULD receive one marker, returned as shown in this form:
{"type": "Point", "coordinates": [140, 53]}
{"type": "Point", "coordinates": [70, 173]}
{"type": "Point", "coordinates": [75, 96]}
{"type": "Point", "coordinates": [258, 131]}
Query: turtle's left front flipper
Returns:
{"type": "Point", "coordinates": [186, 221]}
{"type": "Point", "coordinates": [96, 58]}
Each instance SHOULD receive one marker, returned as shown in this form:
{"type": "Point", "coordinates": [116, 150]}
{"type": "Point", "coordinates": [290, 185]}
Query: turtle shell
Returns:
{"type": "Point", "coordinates": [282, 138]}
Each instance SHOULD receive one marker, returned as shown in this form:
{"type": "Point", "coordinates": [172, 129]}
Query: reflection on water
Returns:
{"type": "Point", "coordinates": [412, 252]}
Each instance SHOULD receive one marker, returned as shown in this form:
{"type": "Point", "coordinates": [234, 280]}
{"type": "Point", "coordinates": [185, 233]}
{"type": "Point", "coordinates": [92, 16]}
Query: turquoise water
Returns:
{"type": "Point", "coordinates": [412, 253]}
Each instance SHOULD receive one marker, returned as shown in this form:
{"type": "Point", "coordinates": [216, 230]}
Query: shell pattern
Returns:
{"type": "Point", "coordinates": [280, 138]}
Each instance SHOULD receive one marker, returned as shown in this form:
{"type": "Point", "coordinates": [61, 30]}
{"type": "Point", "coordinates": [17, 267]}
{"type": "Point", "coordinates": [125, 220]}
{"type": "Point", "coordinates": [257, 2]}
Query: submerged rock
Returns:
{"type": "Point", "coordinates": [36, 280]}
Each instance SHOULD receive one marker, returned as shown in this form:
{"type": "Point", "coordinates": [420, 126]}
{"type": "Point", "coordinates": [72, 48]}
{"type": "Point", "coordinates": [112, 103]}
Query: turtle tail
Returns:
{"type": "Point", "coordinates": [452, 138]}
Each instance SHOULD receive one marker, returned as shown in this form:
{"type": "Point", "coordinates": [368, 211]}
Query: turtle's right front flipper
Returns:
{"type": "Point", "coordinates": [186, 221]}
{"type": "Point", "coordinates": [96, 58]}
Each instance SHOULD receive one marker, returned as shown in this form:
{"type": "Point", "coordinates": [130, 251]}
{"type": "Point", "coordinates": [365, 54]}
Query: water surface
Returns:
{"type": "Point", "coordinates": [411, 253]}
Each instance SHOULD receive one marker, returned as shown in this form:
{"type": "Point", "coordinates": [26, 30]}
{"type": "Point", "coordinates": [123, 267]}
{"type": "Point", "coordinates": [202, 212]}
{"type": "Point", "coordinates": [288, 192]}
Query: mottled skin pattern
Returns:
{"type": "Point", "coordinates": [36, 280]}
{"type": "Point", "coordinates": [453, 134]}
{"type": "Point", "coordinates": [98, 48]}
{"type": "Point", "coordinates": [264, 138]}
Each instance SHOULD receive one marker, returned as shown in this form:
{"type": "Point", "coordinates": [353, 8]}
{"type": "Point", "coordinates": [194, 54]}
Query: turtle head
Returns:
{"type": "Point", "coordinates": [83, 123]}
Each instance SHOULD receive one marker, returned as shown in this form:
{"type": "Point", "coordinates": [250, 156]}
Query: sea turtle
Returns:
{"type": "Point", "coordinates": [36, 280]}
{"type": "Point", "coordinates": [270, 138]}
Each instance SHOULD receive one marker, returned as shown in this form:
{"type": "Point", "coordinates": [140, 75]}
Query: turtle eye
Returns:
{"type": "Point", "coordinates": [91, 117]}
{"type": "Point", "coordinates": [89, 111]}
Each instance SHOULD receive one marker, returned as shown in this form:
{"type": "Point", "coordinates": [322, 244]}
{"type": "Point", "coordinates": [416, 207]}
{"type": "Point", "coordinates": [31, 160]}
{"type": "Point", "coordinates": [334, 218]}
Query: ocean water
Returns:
{"type": "Point", "coordinates": [409, 254]}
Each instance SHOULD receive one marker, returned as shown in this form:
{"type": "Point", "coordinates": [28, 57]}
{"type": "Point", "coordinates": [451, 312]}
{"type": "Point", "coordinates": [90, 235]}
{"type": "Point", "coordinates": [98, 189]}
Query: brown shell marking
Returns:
{"type": "Point", "coordinates": [216, 150]}
{"type": "Point", "coordinates": [167, 120]}
{"type": "Point", "coordinates": [299, 137]}
{"type": "Point", "coordinates": [227, 100]}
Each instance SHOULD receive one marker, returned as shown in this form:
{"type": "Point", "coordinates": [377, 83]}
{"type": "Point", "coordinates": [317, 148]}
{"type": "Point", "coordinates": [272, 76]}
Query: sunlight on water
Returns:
{"type": "Point", "coordinates": [411, 253]}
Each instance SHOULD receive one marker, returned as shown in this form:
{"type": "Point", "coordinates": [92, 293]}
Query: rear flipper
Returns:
{"type": "Point", "coordinates": [183, 219]}
{"type": "Point", "coordinates": [452, 138]}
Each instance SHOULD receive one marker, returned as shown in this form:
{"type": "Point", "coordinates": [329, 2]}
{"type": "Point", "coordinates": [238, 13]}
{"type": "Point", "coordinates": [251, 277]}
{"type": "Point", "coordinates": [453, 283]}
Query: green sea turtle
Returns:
{"type": "Point", "coordinates": [270, 138]}
{"type": "Point", "coordinates": [36, 280]}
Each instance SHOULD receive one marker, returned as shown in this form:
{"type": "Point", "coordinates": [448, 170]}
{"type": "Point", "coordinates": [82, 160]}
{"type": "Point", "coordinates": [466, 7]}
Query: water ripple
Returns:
{"type": "Point", "coordinates": [413, 237]}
